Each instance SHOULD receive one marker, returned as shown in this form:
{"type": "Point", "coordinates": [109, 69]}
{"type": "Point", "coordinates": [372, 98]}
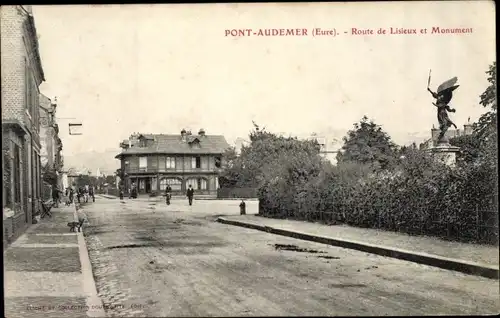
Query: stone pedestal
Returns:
{"type": "Point", "coordinates": [445, 152]}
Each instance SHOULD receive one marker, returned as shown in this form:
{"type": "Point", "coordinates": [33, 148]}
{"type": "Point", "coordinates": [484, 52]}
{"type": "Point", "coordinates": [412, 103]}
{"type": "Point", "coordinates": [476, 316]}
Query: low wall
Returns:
{"type": "Point", "coordinates": [243, 193]}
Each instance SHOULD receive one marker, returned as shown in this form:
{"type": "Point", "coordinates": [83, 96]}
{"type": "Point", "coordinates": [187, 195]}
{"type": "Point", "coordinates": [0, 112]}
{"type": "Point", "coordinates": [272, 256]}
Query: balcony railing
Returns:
{"type": "Point", "coordinates": [165, 170]}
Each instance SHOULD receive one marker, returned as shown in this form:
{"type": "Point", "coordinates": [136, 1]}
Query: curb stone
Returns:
{"type": "Point", "coordinates": [94, 303]}
{"type": "Point", "coordinates": [470, 268]}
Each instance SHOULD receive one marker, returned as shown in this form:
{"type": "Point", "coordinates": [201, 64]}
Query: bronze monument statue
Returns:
{"type": "Point", "coordinates": [443, 96]}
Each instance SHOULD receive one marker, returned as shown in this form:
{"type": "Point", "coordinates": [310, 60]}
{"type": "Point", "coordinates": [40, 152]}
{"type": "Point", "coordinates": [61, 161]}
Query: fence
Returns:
{"type": "Point", "coordinates": [466, 225]}
{"type": "Point", "coordinates": [242, 193]}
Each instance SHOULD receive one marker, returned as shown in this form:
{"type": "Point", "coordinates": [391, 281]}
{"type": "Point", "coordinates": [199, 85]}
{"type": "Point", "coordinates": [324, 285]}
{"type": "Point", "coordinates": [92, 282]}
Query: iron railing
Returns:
{"type": "Point", "coordinates": [476, 225]}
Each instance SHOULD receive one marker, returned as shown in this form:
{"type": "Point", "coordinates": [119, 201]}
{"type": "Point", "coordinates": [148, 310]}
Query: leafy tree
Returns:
{"type": "Point", "coordinates": [486, 127]}
{"type": "Point", "coordinates": [470, 148]}
{"type": "Point", "coordinates": [367, 143]}
{"type": "Point", "coordinates": [263, 157]}
{"type": "Point", "coordinates": [228, 178]}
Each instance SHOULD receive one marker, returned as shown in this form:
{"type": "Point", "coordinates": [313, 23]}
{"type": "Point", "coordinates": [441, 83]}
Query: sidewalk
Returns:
{"type": "Point", "coordinates": [177, 197]}
{"type": "Point", "coordinates": [47, 272]}
{"type": "Point", "coordinates": [476, 259]}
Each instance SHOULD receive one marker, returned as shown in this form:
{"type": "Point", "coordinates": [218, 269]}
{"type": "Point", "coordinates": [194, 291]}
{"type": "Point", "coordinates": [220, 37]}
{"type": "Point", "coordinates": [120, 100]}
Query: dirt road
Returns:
{"type": "Point", "coordinates": [153, 260]}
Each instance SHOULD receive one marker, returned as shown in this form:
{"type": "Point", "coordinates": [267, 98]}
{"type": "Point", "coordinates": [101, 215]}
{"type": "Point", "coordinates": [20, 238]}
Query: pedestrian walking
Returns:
{"type": "Point", "coordinates": [66, 197]}
{"type": "Point", "coordinates": [168, 193]}
{"type": "Point", "coordinates": [190, 194]}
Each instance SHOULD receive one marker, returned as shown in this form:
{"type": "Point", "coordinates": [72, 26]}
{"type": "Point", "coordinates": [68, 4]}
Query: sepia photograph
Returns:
{"type": "Point", "coordinates": [250, 159]}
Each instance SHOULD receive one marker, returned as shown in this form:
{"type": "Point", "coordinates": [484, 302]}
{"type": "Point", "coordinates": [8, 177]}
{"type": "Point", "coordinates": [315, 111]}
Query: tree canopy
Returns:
{"type": "Point", "coordinates": [367, 143]}
{"type": "Point", "coordinates": [266, 154]}
{"type": "Point", "coordinates": [485, 129]}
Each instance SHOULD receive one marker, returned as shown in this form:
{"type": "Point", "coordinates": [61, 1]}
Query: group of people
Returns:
{"type": "Point", "coordinates": [189, 194]}
{"type": "Point", "coordinates": [168, 193]}
{"type": "Point", "coordinates": [82, 194]}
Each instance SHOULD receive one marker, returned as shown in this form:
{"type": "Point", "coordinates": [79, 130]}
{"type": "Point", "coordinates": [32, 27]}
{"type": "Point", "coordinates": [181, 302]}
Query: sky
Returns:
{"type": "Point", "coordinates": [158, 68]}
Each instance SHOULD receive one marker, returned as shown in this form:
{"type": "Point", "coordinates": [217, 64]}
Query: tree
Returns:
{"type": "Point", "coordinates": [486, 127]}
{"type": "Point", "coordinates": [264, 156]}
{"type": "Point", "coordinates": [470, 148]}
{"type": "Point", "coordinates": [367, 143]}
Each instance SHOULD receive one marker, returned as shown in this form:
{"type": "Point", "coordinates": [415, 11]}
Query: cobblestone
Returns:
{"type": "Point", "coordinates": [46, 307]}
{"type": "Point", "coordinates": [115, 298]}
{"type": "Point", "coordinates": [48, 259]}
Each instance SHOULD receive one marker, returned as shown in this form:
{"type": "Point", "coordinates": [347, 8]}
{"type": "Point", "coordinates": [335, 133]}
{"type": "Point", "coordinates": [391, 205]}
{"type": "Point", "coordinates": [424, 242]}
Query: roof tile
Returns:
{"type": "Point", "coordinates": [209, 144]}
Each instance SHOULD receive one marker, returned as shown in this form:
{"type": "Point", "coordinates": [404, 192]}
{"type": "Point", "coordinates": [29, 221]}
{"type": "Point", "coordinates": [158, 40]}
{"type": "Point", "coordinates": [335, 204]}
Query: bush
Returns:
{"type": "Point", "coordinates": [417, 196]}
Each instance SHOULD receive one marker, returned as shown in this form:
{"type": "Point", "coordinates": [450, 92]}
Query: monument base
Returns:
{"type": "Point", "coordinates": [445, 153]}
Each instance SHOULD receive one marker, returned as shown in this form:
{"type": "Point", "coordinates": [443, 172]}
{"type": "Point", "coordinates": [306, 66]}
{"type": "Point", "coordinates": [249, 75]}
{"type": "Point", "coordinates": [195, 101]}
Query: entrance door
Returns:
{"type": "Point", "coordinates": [148, 185]}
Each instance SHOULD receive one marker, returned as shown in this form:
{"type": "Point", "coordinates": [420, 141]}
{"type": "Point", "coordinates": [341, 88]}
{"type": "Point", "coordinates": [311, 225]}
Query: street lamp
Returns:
{"type": "Point", "coordinates": [74, 129]}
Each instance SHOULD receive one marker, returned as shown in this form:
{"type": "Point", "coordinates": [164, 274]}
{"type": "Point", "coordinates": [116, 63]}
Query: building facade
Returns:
{"type": "Point", "coordinates": [51, 145]}
{"type": "Point", "coordinates": [153, 161]}
{"type": "Point", "coordinates": [329, 147]}
{"type": "Point", "coordinates": [22, 74]}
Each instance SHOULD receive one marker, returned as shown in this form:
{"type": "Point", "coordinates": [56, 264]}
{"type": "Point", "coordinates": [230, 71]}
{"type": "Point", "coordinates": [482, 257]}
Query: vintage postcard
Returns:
{"type": "Point", "coordinates": [250, 159]}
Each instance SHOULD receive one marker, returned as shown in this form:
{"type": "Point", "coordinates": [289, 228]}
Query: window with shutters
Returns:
{"type": "Point", "coordinates": [196, 162]}
{"type": "Point", "coordinates": [7, 188]}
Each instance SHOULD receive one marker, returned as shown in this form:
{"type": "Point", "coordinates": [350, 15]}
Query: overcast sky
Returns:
{"type": "Point", "coordinates": [159, 68]}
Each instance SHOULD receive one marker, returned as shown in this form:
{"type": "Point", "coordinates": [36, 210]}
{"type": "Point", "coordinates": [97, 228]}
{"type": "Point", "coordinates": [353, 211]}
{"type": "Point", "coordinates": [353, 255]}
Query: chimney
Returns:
{"type": "Point", "coordinates": [468, 129]}
{"type": "Point", "coordinates": [201, 132]}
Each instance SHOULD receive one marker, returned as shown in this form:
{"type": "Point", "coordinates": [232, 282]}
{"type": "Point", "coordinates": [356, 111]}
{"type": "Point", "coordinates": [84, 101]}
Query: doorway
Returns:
{"type": "Point", "coordinates": [148, 185]}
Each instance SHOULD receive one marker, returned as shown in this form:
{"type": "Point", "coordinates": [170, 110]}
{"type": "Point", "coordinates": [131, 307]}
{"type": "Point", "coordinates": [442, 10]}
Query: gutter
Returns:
{"type": "Point", "coordinates": [32, 29]}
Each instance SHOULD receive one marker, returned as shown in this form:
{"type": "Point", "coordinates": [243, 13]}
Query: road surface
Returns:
{"type": "Point", "coordinates": [150, 259]}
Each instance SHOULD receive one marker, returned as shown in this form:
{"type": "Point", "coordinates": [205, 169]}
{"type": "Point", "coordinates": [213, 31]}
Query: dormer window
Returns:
{"type": "Point", "coordinates": [195, 143]}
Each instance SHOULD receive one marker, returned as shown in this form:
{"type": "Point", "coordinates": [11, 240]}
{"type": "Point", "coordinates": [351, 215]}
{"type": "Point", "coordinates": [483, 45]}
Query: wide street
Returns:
{"type": "Point", "coordinates": [150, 259]}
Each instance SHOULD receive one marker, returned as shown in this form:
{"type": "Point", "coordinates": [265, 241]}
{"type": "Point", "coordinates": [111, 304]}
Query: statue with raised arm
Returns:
{"type": "Point", "coordinates": [443, 97]}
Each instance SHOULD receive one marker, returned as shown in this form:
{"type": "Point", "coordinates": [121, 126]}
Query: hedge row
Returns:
{"type": "Point", "coordinates": [417, 196]}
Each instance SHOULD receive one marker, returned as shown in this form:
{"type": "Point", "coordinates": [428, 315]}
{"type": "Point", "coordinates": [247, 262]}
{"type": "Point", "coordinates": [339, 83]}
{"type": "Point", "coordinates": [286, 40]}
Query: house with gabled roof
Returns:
{"type": "Point", "coordinates": [151, 161]}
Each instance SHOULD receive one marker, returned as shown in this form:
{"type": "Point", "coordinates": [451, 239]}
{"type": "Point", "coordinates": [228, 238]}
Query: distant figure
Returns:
{"type": "Point", "coordinates": [91, 193]}
{"type": "Point", "coordinates": [243, 207]}
{"type": "Point", "coordinates": [55, 196]}
{"type": "Point", "coordinates": [168, 194]}
{"type": "Point", "coordinates": [71, 195]}
{"type": "Point", "coordinates": [190, 194]}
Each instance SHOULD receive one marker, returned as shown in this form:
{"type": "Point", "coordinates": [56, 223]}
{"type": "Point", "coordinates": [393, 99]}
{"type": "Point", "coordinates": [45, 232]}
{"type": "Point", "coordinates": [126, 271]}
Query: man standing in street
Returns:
{"type": "Point", "coordinates": [168, 193]}
{"type": "Point", "coordinates": [91, 193]}
{"type": "Point", "coordinates": [55, 196]}
{"type": "Point", "coordinates": [190, 194]}
{"type": "Point", "coordinates": [71, 194]}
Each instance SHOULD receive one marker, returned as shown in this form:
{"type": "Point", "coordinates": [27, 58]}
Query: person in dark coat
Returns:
{"type": "Point", "coordinates": [55, 196]}
{"type": "Point", "coordinates": [168, 193]}
{"type": "Point", "coordinates": [91, 193]}
{"type": "Point", "coordinates": [190, 194]}
{"type": "Point", "coordinates": [71, 194]}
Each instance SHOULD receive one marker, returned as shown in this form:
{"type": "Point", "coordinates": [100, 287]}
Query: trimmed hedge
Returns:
{"type": "Point", "coordinates": [417, 196]}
